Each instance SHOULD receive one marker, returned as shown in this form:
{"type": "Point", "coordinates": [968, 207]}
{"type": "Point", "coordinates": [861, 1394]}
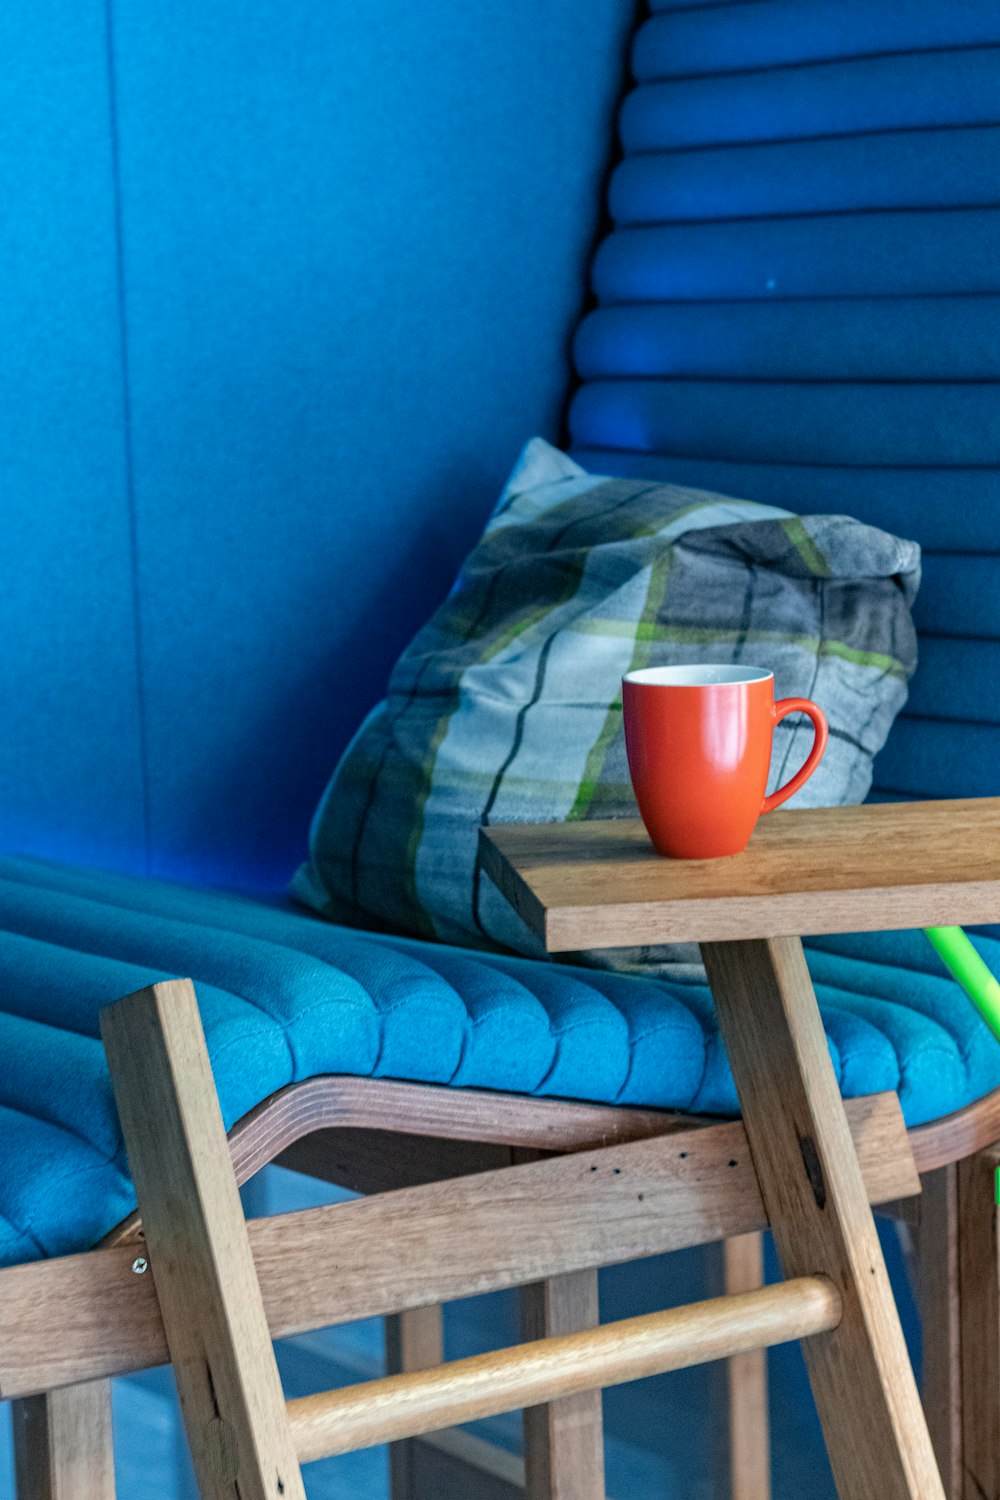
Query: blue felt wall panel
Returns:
{"type": "Point", "coordinates": [288, 286]}
{"type": "Point", "coordinates": [70, 743]}
{"type": "Point", "coordinates": [355, 248]}
{"type": "Point", "coordinates": [797, 304]}
{"type": "Point", "coordinates": [354, 243]}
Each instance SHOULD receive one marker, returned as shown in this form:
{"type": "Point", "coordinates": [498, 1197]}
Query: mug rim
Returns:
{"type": "Point", "coordinates": [705, 675]}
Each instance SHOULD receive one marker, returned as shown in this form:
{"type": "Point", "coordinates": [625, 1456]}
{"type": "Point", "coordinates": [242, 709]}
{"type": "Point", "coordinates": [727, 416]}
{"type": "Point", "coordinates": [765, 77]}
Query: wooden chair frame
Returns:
{"type": "Point", "coordinates": [601, 1188]}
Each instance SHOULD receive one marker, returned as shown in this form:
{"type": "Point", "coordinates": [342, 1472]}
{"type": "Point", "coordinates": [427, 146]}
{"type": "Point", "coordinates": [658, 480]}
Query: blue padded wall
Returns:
{"type": "Point", "coordinates": [799, 302]}
{"type": "Point", "coordinates": [290, 286]}
{"type": "Point", "coordinates": [70, 740]}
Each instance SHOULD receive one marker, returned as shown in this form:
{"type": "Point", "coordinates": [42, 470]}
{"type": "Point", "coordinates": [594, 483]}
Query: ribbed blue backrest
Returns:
{"type": "Point", "coordinates": [799, 302]}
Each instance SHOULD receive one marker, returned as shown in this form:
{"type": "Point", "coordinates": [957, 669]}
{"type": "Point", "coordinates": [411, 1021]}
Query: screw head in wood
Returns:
{"type": "Point", "coordinates": [140, 1265]}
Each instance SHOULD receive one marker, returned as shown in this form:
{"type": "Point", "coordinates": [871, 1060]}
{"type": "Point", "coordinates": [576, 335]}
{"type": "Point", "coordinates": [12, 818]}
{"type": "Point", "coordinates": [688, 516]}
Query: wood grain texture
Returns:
{"type": "Point", "coordinates": [954, 1137]}
{"type": "Point", "coordinates": [979, 1309]}
{"type": "Point", "coordinates": [375, 1134]}
{"type": "Point", "coordinates": [379, 1161]}
{"type": "Point", "coordinates": [746, 1382]}
{"type": "Point", "coordinates": [414, 1340]}
{"type": "Point", "coordinates": [436, 1112]}
{"type": "Point", "coordinates": [383, 1254]}
{"type": "Point", "coordinates": [936, 1242]}
{"type": "Point", "coordinates": [63, 1445]}
{"type": "Point", "coordinates": [563, 1440]}
{"type": "Point", "coordinates": [875, 1430]}
{"type": "Point", "coordinates": [881, 866]}
{"type": "Point", "coordinates": [199, 1252]}
{"type": "Point", "coordinates": [368, 1131]}
{"type": "Point", "coordinates": [554, 1368]}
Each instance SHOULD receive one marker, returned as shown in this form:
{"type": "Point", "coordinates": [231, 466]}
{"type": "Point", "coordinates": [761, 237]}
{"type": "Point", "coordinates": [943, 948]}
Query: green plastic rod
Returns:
{"type": "Point", "coordinates": [960, 958]}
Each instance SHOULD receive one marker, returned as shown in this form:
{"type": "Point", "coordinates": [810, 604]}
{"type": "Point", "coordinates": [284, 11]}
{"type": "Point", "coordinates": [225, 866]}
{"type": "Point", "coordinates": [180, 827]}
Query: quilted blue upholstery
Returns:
{"type": "Point", "coordinates": [285, 996]}
{"type": "Point", "coordinates": [799, 302]}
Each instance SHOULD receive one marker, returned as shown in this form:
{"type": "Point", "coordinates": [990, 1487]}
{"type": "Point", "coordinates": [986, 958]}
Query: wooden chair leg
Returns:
{"type": "Point", "coordinates": [198, 1248]}
{"type": "Point", "coordinates": [937, 1285]}
{"type": "Point", "coordinates": [874, 1425]}
{"type": "Point", "coordinates": [414, 1340]}
{"type": "Point", "coordinates": [63, 1446]}
{"type": "Point", "coordinates": [746, 1381]}
{"type": "Point", "coordinates": [979, 1314]}
{"type": "Point", "coordinates": [563, 1440]}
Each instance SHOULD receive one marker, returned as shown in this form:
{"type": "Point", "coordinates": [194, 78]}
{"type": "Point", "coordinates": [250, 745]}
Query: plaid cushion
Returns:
{"type": "Point", "coordinates": [506, 707]}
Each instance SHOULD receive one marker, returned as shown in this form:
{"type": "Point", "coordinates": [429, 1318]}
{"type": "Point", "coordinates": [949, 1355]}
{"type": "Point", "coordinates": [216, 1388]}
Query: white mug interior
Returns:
{"type": "Point", "coordinates": [696, 676]}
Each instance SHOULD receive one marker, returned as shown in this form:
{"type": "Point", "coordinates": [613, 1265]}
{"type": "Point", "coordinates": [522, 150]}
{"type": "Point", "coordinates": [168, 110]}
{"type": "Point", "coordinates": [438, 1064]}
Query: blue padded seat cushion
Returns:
{"type": "Point", "coordinates": [285, 996]}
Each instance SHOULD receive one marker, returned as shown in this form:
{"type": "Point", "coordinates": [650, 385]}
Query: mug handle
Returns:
{"type": "Point", "coordinates": [781, 710]}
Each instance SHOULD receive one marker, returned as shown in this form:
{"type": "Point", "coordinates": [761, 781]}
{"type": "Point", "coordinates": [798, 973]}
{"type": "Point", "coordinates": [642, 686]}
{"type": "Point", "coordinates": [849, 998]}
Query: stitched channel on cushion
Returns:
{"type": "Point", "coordinates": [249, 909]}
{"type": "Point", "coordinates": [65, 1194]}
{"type": "Point", "coordinates": [270, 982]}
{"type": "Point", "coordinates": [914, 1041]}
{"type": "Point", "coordinates": [15, 1245]}
{"type": "Point", "coordinates": [349, 959]}
{"type": "Point", "coordinates": [932, 994]}
{"type": "Point", "coordinates": [669, 1027]}
{"type": "Point", "coordinates": [62, 1079]}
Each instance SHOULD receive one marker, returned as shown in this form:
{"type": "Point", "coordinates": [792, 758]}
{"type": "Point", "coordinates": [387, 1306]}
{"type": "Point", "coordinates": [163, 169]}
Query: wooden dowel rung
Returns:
{"type": "Point", "coordinates": [402, 1406]}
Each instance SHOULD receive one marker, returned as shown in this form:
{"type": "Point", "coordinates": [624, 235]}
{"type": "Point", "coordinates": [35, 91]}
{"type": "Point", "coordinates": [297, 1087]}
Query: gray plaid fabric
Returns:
{"type": "Point", "coordinates": [506, 707]}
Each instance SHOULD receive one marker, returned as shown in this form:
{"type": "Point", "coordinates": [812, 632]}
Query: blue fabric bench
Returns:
{"type": "Point", "coordinates": [285, 996]}
{"type": "Point", "coordinates": [199, 522]}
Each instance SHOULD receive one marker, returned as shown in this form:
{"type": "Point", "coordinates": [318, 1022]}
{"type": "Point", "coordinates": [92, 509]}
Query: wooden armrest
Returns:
{"type": "Point", "coordinates": [878, 867]}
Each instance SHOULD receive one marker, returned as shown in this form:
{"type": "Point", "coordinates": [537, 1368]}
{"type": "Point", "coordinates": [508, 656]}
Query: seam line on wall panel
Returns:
{"type": "Point", "coordinates": [820, 138]}
{"type": "Point", "coordinates": [789, 65]}
{"type": "Point", "coordinates": [129, 454]}
{"type": "Point", "coordinates": [779, 463]}
{"type": "Point", "coordinates": [697, 9]}
{"type": "Point", "coordinates": [796, 215]}
{"type": "Point", "coordinates": [682, 377]}
{"type": "Point", "coordinates": [643, 304]}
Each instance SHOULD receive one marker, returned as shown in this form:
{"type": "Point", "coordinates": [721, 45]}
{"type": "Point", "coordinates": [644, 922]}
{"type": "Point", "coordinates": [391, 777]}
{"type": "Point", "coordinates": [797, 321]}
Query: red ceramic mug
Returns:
{"type": "Point", "coordinates": [699, 750]}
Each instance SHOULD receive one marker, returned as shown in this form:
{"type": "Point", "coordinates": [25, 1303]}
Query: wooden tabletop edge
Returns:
{"type": "Point", "coordinates": [512, 884]}
{"type": "Point", "coordinates": [624, 924]}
